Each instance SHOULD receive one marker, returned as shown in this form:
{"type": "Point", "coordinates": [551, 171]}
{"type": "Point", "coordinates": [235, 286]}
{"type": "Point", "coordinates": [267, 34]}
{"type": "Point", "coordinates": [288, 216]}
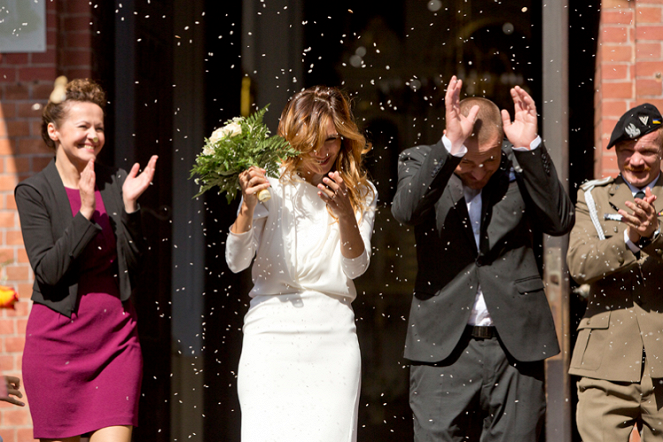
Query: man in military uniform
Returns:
{"type": "Point", "coordinates": [617, 249]}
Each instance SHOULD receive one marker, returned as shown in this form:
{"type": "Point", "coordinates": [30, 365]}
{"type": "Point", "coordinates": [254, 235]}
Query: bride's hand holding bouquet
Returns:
{"type": "Point", "coordinates": [240, 155]}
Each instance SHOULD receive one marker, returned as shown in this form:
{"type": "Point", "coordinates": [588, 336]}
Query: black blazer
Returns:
{"type": "Point", "coordinates": [54, 239]}
{"type": "Point", "coordinates": [524, 192]}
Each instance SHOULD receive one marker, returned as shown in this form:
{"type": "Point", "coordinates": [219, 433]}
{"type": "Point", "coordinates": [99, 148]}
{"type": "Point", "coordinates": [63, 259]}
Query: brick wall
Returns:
{"type": "Point", "coordinates": [26, 81]}
{"type": "Point", "coordinates": [629, 65]}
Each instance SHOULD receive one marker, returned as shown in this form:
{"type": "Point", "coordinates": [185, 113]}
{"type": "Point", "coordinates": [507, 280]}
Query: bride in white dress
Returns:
{"type": "Point", "coordinates": [300, 370]}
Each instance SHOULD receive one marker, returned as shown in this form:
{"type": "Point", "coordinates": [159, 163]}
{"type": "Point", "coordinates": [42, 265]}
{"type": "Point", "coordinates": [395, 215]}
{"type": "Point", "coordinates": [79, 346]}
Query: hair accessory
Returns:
{"type": "Point", "coordinates": [59, 93]}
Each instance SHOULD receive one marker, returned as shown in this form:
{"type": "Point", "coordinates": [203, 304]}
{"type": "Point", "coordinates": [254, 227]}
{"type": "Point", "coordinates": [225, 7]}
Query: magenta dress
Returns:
{"type": "Point", "coordinates": [84, 373]}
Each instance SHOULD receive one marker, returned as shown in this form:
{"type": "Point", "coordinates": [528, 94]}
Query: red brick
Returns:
{"type": "Point", "coordinates": [24, 291]}
{"type": "Point", "coordinates": [7, 219]}
{"type": "Point", "coordinates": [22, 256]}
{"type": "Point", "coordinates": [78, 39]}
{"type": "Point", "coordinates": [619, 17]}
{"type": "Point", "coordinates": [608, 124]}
{"type": "Point", "coordinates": [77, 57]}
{"type": "Point", "coordinates": [14, 343]}
{"type": "Point", "coordinates": [78, 22]}
{"type": "Point", "coordinates": [36, 74]}
{"type": "Point", "coordinates": [15, 165]}
{"type": "Point", "coordinates": [9, 436]}
{"type": "Point", "coordinates": [24, 435]}
{"type": "Point", "coordinates": [656, 102]}
{"type": "Point", "coordinates": [7, 361]}
{"type": "Point", "coordinates": [28, 110]}
{"type": "Point", "coordinates": [16, 91]}
{"type": "Point", "coordinates": [38, 163]}
{"type": "Point", "coordinates": [30, 146]}
{"type": "Point", "coordinates": [18, 272]}
{"type": "Point", "coordinates": [14, 237]}
{"type": "Point", "coordinates": [7, 147]}
{"type": "Point", "coordinates": [645, 87]}
{"type": "Point", "coordinates": [648, 68]}
{"type": "Point", "coordinates": [41, 91]}
{"type": "Point", "coordinates": [21, 325]}
{"type": "Point", "coordinates": [15, 416]}
{"type": "Point", "coordinates": [610, 90]}
{"type": "Point", "coordinates": [649, 33]}
{"type": "Point", "coordinates": [8, 74]}
{"type": "Point", "coordinates": [8, 182]}
{"type": "Point", "coordinates": [612, 52]}
{"type": "Point", "coordinates": [78, 7]}
{"type": "Point", "coordinates": [614, 34]}
{"type": "Point", "coordinates": [47, 57]}
{"type": "Point", "coordinates": [18, 128]}
{"type": "Point", "coordinates": [17, 58]}
{"type": "Point", "coordinates": [614, 71]}
{"type": "Point", "coordinates": [644, 14]}
{"type": "Point", "coordinates": [7, 110]}
{"type": "Point", "coordinates": [647, 50]}
{"type": "Point", "coordinates": [10, 202]}
{"type": "Point", "coordinates": [7, 327]}
{"type": "Point", "coordinates": [613, 108]}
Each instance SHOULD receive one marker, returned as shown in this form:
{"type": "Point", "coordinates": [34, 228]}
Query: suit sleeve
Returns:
{"type": "Point", "coordinates": [131, 241]}
{"type": "Point", "coordinates": [549, 203]}
{"type": "Point", "coordinates": [423, 173]}
{"type": "Point", "coordinates": [51, 258]}
{"type": "Point", "coordinates": [590, 258]}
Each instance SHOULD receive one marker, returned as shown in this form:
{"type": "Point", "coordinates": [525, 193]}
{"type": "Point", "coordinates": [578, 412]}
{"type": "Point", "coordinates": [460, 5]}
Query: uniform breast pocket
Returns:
{"type": "Point", "coordinates": [590, 345]}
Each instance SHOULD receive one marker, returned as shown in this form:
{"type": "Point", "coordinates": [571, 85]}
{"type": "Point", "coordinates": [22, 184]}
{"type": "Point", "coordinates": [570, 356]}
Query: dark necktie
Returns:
{"type": "Point", "coordinates": [640, 194]}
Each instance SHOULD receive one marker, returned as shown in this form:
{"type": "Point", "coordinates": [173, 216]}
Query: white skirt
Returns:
{"type": "Point", "coordinates": [300, 371]}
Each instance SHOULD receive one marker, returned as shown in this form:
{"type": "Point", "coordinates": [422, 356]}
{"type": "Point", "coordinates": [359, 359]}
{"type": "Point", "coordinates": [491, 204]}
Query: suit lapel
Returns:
{"type": "Point", "coordinates": [62, 206]}
{"type": "Point", "coordinates": [619, 193]}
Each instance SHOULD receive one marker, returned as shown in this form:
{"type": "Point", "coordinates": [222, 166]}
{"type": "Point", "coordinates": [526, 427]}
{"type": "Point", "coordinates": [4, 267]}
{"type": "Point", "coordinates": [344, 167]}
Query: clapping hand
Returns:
{"type": "Point", "coordinates": [524, 128]}
{"type": "Point", "coordinates": [86, 189]}
{"type": "Point", "coordinates": [135, 184]}
{"type": "Point", "coordinates": [643, 222]}
{"type": "Point", "coordinates": [458, 126]}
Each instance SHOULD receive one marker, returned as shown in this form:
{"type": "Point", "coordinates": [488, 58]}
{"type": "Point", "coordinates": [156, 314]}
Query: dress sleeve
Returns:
{"type": "Point", "coordinates": [51, 258]}
{"type": "Point", "coordinates": [355, 267]}
{"type": "Point", "coordinates": [242, 247]}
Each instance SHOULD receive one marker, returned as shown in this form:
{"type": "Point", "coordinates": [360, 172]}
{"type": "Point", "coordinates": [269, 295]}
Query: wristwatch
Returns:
{"type": "Point", "coordinates": [644, 242]}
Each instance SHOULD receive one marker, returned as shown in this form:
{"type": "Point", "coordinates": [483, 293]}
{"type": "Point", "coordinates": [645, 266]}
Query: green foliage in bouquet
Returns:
{"type": "Point", "coordinates": [230, 150]}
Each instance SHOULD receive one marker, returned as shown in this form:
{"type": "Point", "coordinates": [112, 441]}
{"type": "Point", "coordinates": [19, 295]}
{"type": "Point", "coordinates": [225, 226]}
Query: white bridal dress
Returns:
{"type": "Point", "coordinates": [300, 368]}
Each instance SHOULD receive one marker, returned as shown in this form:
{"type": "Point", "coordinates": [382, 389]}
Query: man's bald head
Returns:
{"type": "Point", "coordinates": [488, 125]}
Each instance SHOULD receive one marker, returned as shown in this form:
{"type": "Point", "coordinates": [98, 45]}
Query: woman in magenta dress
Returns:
{"type": "Point", "coordinates": [82, 363]}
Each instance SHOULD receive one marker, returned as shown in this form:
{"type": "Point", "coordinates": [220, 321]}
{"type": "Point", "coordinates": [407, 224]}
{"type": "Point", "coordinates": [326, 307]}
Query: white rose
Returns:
{"type": "Point", "coordinates": [229, 130]}
{"type": "Point", "coordinates": [208, 149]}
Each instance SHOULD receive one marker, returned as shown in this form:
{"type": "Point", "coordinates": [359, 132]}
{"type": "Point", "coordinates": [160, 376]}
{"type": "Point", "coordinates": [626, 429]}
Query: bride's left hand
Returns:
{"type": "Point", "coordinates": [333, 191]}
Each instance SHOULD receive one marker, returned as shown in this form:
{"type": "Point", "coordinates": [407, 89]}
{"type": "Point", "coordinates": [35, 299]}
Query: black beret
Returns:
{"type": "Point", "coordinates": [635, 123]}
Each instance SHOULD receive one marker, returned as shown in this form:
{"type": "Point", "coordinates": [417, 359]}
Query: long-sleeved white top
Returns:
{"type": "Point", "coordinates": [296, 244]}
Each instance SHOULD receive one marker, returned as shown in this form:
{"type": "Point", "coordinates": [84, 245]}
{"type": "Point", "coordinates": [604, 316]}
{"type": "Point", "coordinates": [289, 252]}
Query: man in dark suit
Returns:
{"type": "Point", "coordinates": [480, 325]}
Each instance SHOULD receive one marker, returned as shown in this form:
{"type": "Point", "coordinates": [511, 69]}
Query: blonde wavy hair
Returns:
{"type": "Point", "coordinates": [304, 124]}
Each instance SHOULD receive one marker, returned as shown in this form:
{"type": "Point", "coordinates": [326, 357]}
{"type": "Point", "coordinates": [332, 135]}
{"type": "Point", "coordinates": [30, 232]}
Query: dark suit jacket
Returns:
{"type": "Point", "coordinates": [430, 197]}
{"type": "Point", "coordinates": [54, 239]}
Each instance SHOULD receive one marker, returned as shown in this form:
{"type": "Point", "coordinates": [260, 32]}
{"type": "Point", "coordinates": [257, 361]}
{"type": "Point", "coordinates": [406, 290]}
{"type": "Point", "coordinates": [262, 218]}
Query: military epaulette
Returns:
{"type": "Point", "coordinates": [589, 185]}
{"type": "Point", "coordinates": [591, 205]}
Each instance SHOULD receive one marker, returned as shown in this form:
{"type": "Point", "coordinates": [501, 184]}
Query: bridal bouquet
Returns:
{"type": "Point", "coordinates": [233, 148]}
